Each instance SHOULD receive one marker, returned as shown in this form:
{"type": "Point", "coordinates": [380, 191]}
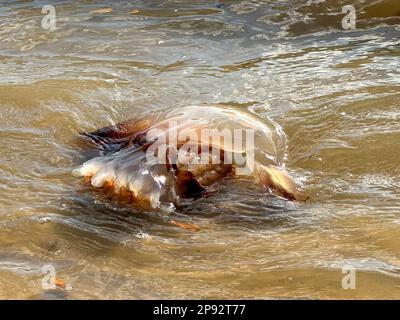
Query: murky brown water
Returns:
{"type": "Point", "coordinates": [335, 92]}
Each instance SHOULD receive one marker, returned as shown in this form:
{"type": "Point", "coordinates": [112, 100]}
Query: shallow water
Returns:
{"type": "Point", "coordinates": [335, 93]}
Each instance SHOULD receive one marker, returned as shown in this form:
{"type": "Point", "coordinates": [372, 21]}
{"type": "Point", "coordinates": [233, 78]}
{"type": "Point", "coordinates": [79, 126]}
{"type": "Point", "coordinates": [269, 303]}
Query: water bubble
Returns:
{"type": "Point", "coordinates": [44, 220]}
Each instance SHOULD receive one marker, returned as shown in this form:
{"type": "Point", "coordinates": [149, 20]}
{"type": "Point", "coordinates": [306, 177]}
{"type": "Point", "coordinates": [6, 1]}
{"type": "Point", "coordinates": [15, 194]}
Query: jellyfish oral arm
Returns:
{"type": "Point", "coordinates": [279, 182]}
